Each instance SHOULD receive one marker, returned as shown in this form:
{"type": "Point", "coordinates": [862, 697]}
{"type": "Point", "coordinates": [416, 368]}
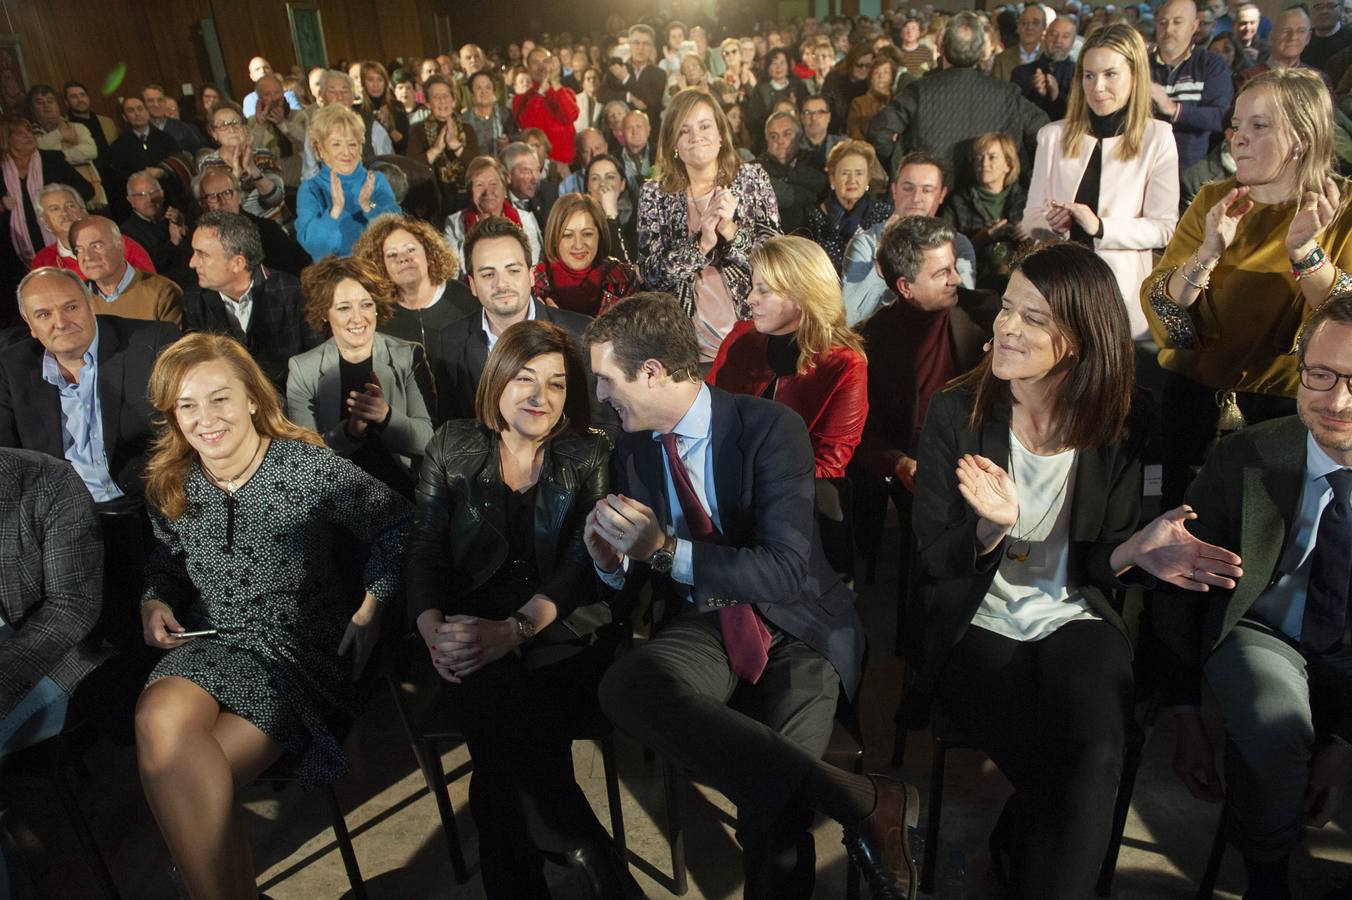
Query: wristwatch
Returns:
{"type": "Point", "coordinates": [525, 628]}
{"type": "Point", "coordinates": [664, 557]}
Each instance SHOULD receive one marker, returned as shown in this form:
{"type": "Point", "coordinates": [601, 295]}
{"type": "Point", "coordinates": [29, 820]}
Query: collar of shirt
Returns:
{"type": "Point", "coordinates": [51, 369]}
{"type": "Point", "coordinates": [63, 251]}
{"type": "Point", "coordinates": [1031, 55]}
{"type": "Point", "coordinates": [488, 331]}
{"type": "Point", "coordinates": [142, 136]}
{"type": "Point", "coordinates": [697, 422]}
{"type": "Point", "coordinates": [1159, 59]}
{"type": "Point", "coordinates": [1318, 464]}
{"type": "Point", "coordinates": [122, 285]}
{"type": "Point", "coordinates": [242, 309]}
{"type": "Point", "coordinates": [519, 202]}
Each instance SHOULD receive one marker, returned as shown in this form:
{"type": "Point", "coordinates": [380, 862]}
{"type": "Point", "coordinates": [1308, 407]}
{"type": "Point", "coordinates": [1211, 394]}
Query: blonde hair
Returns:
{"type": "Point", "coordinates": [328, 119]}
{"type": "Point", "coordinates": [851, 147]}
{"type": "Point", "coordinates": [171, 456]}
{"type": "Point", "coordinates": [1002, 140]}
{"type": "Point", "coordinates": [798, 269]}
{"type": "Point", "coordinates": [1301, 105]}
{"type": "Point", "coordinates": [1128, 43]}
{"type": "Point", "coordinates": [670, 169]}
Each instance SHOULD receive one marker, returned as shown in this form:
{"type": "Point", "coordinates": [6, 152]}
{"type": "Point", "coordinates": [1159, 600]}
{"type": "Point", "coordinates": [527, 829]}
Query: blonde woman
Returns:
{"type": "Point", "coordinates": [246, 507]}
{"type": "Point", "coordinates": [699, 220]}
{"type": "Point", "coordinates": [797, 349]}
{"type": "Point", "coordinates": [1106, 176]}
{"type": "Point", "coordinates": [335, 205]}
{"type": "Point", "coordinates": [1253, 256]}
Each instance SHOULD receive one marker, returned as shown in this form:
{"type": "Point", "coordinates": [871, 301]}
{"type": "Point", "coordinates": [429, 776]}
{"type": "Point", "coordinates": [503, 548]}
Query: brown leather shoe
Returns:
{"type": "Point", "coordinates": [878, 845]}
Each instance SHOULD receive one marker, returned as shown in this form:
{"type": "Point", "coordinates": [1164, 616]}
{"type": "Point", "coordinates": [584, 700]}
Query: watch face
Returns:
{"type": "Point", "coordinates": [662, 561]}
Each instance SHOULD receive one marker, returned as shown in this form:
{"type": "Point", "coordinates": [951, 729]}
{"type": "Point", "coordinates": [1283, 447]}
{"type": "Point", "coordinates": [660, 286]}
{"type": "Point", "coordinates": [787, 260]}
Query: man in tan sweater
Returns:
{"type": "Point", "coordinates": [119, 288]}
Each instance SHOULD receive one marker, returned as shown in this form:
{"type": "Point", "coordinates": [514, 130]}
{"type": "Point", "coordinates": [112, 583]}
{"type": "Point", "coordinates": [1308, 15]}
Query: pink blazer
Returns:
{"type": "Point", "coordinates": [1138, 202]}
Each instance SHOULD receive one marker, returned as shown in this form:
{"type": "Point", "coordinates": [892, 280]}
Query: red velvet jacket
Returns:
{"type": "Point", "coordinates": [832, 397]}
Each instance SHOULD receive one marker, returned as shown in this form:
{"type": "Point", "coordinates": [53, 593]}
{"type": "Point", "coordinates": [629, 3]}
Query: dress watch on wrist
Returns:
{"type": "Point", "coordinates": [525, 628]}
{"type": "Point", "coordinates": [664, 557]}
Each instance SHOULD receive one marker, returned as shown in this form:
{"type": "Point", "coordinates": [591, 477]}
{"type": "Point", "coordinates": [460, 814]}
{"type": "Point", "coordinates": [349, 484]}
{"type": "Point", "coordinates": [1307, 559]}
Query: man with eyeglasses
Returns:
{"type": "Point", "coordinates": [798, 185]}
{"type": "Point", "coordinates": [1032, 25]}
{"type": "Point", "coordinates": [817, 139]}
{"type": "Point", "coordinates": [237, 294]}
{"type": "Point", "coordinates": [119, 288]}
{"type": "Point", "coordinates": [1290, 37]}
{"type": "Point", "coordinates": [644, 84]}
{"type": "Point", "coordinates": [218, 190]}
{"type": "Point", "coordinates": [1274, 649]}
{"type": "Point", "coordinates": [60, 207]}
{"type": "Point", "coordinates": [1328, 35]}
{"type": "Point", "coordinates": [160, 228]}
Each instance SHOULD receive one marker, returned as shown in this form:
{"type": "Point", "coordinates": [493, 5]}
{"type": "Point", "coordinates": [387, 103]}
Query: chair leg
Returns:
{"type": "Point", "coordinates": [1207, 886]}
{"type": "Point", "coordinates": [613, 796]}
{"type": "Point", "coordinates": [673, 783]}
{"type": "Point", "coordinates": [936, 803]}
{"type": "Point", "coordinates": [70, 802]}
{"type": "Point", "coordinates": [345, 845]}
{"type": "Point", "coordinates": [435, 776]}
{"type": "Point", "coordinates": [1131, 764]}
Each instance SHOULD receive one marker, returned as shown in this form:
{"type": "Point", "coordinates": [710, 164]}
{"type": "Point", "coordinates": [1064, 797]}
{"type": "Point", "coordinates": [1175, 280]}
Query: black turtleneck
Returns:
{"type": "Point", "coordinates": [781, 352]}
{"type": "Point", "coordinates": [1100, 128]}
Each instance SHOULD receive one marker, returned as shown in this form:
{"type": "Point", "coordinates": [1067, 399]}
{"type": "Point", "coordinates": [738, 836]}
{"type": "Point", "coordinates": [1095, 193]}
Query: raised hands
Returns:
{"type": "Point", "coordinates": [364, 195]}
{"type": "Point", "coordinates": [1315, 213]}
{"type": "Point", "coordinates": [1222, 221]}
{"type": "Point", "coordinates": [338, 201]}
{"type": "Point", "coordinates": [989, 490]}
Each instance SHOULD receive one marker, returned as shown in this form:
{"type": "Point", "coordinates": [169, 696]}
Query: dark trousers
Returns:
{"type": "Point", "coordinates": [1052, 715]}
{"type": "Point", "coordinates": [1188, 426]}
{"type": "Point", "coordinates": [755, 743]}
{"type": "Point", "coordinates": [519, 725]}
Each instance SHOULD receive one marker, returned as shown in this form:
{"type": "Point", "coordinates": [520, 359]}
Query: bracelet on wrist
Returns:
{"type": "Point", "coordinates": [1198, 270]}
{"type": "Point", "coordinates": [1309, 271]}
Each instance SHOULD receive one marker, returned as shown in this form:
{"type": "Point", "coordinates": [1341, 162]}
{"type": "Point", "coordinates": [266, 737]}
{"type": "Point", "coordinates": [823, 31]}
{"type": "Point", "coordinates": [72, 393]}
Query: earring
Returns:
{"type": "Point", "coordinates": [675, 154]}
{"type": "Point", "coordinates": [252, 409]}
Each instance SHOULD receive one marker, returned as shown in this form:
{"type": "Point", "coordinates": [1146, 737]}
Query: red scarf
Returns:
{"type": "Point", "coordinates": [576, 291]}
{"type": "Point", "coordinates": [508, 210]}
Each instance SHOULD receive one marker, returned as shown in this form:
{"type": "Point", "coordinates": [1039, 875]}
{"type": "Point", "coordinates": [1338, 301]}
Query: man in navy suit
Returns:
{"type": "Point", "coordinates": [757, 636]}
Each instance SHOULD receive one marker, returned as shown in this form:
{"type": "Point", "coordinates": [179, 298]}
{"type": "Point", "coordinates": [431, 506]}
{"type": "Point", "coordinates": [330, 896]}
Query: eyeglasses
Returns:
{"type": "Point", "coordinates": [816, 112]}
{"type": "Point", "coordinates": [1320, 379]}
{"type": "Point", "coordinates": [226, 126]}
{"type": "Point", "coordinates": [145, 195]}
{"type": "Point", "coordinates": [218, 196]}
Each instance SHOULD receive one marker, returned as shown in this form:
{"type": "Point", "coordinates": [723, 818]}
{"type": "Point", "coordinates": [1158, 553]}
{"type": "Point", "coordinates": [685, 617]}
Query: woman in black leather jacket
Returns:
{"type": "Point", "coordinates": [505, 597]}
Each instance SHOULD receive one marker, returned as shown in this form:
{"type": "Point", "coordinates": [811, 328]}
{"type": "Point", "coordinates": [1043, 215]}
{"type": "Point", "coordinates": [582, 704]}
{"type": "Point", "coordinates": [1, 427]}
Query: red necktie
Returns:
{"type": "Point", "coordinates": [745, 637]}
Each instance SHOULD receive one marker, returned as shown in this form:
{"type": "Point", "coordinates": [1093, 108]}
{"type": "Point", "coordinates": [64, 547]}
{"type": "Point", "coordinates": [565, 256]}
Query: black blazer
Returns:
{"type": "Point", "coordinates": [952, 577]}
{"type": "Point", "coordinates": [277, 327]}
{"type": "Point", "coordinates": [771, 554]}
{"type": "Point", "coordinates": [30, 408]}
{"type": "Point", "coordinates": [462, 352]}
{"type": "Point", "coordinates": [458, 541]}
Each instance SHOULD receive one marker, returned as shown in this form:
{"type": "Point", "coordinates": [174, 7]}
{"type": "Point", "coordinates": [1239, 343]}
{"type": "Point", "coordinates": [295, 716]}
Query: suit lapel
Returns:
{"type": "Point", "coordinates": [647, 473]}
{"type": "Point", "coordinates": [111, 365]}
{"type": "Point", "coordinates": [46, 402]}
{"type": "Point", "coordinates": [1271, 499]}
{"type": "Point", "coordinates": [328, 403]}
{"type": "Point", "coordinates": [725, 432]}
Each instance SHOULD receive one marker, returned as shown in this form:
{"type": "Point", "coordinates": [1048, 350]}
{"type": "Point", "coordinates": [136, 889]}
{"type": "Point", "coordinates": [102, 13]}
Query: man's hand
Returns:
{"type": "Point", "coordinates": [904, 469]}
{"type": "Point", "coordinates": [68, 135]}
{"type": "Point", "coordinates": [1328, 783]}
{"type": "Point", "coordinates": [628, 526]}
{"type": "Point", "coordinates": [1195, 758]}
{"type": "Point", "coordinates": [1167, 105]}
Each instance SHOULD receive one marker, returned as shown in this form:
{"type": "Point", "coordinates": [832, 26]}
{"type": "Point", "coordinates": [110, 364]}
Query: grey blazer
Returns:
{"type": "Point", "coordinates": [314, 384]}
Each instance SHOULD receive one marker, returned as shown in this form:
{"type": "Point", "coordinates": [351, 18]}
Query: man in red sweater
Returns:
{"type": "Point", "coordinates": [60, 208]}
{"type": "Point", "coordinates": [548, 106]}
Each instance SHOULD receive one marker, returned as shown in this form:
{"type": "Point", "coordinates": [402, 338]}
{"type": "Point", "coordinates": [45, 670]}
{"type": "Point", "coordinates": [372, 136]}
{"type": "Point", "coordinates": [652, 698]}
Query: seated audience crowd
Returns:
{"type": "Point", "coordinates": [516, 349]}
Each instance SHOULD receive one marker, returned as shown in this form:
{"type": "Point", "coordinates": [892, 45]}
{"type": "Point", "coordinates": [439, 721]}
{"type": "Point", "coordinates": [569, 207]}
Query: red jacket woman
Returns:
{"type": "Point", "coordinates": [797, 349]}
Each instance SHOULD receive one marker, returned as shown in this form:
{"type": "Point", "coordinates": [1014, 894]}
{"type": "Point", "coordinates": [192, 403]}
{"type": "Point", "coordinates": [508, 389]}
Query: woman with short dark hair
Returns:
{"type": "Point", "coordinates": [504, 595]}
{"type": "Point", "coordinates": [1027, 497]}
{"type": "Point", "coordinates": [579, 272]}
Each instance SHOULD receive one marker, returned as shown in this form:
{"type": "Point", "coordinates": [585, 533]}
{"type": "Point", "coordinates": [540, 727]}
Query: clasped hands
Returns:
{"type": "Point", "coordinates": [618, 527]}
{"type": "Point", "coordinates": [462, 645]}
{"type": "Point", "coordinates": [718, 220]}
{"type": "Point", "coordinates": [1164, 548]}
{"type": "Point", "coordinates": [366, 408]}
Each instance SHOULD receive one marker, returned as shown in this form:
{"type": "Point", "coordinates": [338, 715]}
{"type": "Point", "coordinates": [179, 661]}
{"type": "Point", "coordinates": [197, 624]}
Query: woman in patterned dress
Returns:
{"type": "Point", "coordinates": [245, 506]}
{"type": "Point", "coordinates": [700, 218]}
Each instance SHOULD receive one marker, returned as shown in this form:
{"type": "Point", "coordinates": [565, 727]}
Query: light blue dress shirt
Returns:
{"type": "Point", "coordinates": [121, 288]}
{"type": "Point", "coordinates": [694, 436]}
{"type": "Point", "coordinates": [82, 423]}
{"type": "Point", "coordinates": [1282, 605]}
{"type": "Point", "coordinates": [863, 288]}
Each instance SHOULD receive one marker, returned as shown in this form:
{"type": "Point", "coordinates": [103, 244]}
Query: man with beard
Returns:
{"type": "Point", "coordinates": [1046, 80]}
{"type": "Point", "coordinates": [1273, 649]}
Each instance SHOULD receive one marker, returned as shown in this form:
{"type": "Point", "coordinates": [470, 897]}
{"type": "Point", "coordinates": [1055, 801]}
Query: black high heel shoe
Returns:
{"type": "Point", "coordinates": [606, 872]}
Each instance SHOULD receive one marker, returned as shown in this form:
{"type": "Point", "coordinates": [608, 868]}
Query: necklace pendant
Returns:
{"type": "Point", "coordinates": [1019, 551]}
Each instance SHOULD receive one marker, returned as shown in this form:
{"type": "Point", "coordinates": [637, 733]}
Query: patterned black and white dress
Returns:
{"type": "Point", "coordinates": [259, 567]}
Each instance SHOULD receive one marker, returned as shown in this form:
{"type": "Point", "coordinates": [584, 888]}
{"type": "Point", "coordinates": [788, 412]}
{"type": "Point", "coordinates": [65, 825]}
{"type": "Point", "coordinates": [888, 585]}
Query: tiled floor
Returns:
{"type": "Point", "coordinates": [403, 855]}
